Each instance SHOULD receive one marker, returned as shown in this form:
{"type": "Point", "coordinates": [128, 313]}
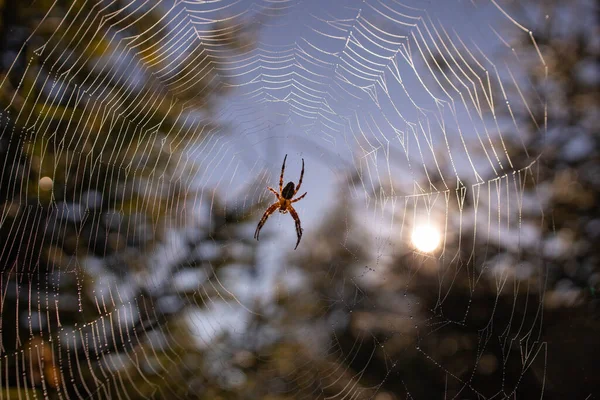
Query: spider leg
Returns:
{"type": "Point", "coordinates": [281, 177]}
{"type": "Point", "coordinates": [274, 192]}
{"type": "Point", "coordinates": [298, 227]}
{"type": "Point", "coordinates": [262, 221]}
{"type": "Point", "coordinates": [301, 176]}
{"type": "Point", "coordinates": [299, 198]}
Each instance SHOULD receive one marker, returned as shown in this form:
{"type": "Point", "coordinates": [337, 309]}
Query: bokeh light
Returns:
{"type": "Point", "coordinates": [46, 183]}
{"type": "Point", "coordinates": [426, 238]}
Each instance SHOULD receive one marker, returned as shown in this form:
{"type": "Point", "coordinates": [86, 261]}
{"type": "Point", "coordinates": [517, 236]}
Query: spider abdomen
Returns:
{"type": "Point", "coordinates": [288, 191]}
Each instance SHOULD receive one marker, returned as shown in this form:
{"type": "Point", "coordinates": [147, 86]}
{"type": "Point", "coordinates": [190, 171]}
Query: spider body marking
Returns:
{"type": "Point", "coordinates": [284, 202]}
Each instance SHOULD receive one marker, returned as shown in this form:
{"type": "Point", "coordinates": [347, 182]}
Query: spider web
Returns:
{"type": "Point", "coordinates": [139, 140]}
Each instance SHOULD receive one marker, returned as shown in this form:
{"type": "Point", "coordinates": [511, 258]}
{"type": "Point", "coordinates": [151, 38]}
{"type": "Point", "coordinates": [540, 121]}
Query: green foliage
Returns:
{"type": "Point", "coordinates": [98, 117]}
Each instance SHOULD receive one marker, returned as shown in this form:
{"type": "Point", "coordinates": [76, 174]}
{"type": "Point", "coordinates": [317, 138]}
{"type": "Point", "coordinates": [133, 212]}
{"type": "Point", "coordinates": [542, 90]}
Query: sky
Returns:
{"type": "Point", "coordinates": [322, 88]}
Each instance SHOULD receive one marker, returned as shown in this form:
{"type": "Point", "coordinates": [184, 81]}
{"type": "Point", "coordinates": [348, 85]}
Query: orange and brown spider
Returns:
{"type": "Point", "coordinates": [284, 202]}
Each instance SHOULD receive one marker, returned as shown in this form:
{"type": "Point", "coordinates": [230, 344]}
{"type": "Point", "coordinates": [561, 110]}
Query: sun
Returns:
{"type": "Point", "coordinates": [426, 238]}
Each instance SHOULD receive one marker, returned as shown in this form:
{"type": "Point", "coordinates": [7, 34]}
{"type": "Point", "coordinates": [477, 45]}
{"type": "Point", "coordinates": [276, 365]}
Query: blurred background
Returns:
{"type": "Point", "coordinates": [450, 230]}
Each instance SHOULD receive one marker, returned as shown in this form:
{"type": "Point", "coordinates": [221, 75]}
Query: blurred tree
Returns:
{"type": "Point", "coordinates": [99, 108]}
{"type": "Point", "coordinates": [503, 309]}
{"type": "Point", "coordinates": [284, 354]}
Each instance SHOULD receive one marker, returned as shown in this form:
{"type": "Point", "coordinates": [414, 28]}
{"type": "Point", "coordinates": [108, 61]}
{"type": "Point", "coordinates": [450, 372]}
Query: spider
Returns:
{"type": "Point", "coordinates": [284, 202]}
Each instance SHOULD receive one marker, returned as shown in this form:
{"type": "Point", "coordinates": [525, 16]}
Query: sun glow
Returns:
{"type": "Point", "coordinates": [426, 238]}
